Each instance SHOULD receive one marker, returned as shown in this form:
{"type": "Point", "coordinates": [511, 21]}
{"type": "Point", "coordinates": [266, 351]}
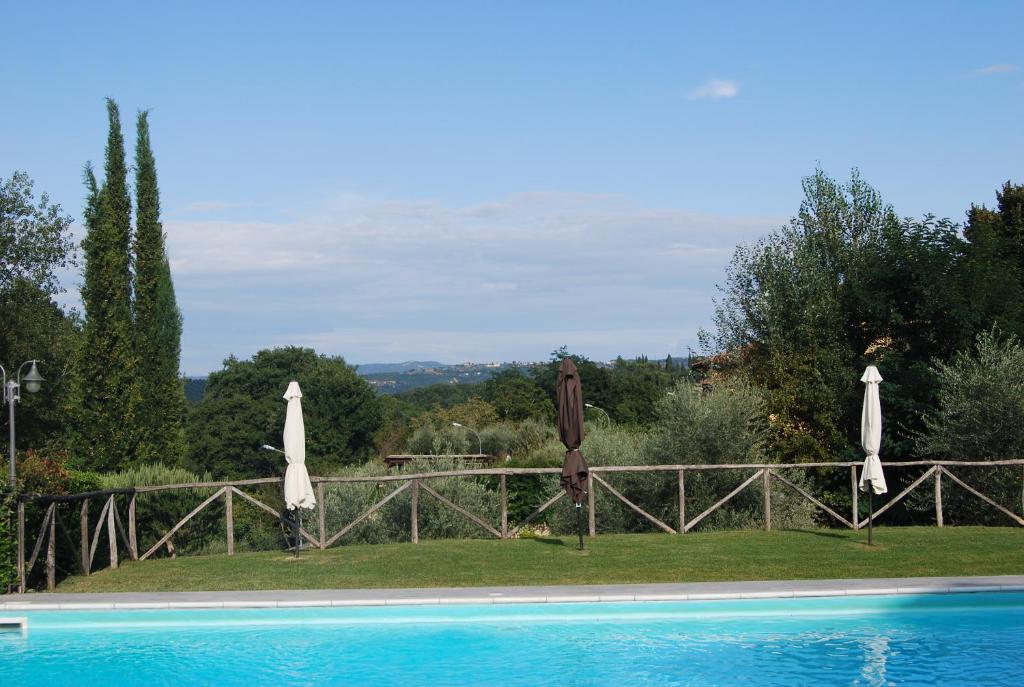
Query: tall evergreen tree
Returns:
{"type": "Point", "coordinates": [106, 361]}
{"type": "Point", "coordinates": [161, 409]}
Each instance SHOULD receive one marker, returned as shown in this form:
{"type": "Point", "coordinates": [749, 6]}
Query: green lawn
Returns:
{"type": "Point", "coordinates": [745, 555]}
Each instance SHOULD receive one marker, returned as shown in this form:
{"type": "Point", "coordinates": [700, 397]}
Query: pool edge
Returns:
{"type": "Point", "coordinates": [513, 595]}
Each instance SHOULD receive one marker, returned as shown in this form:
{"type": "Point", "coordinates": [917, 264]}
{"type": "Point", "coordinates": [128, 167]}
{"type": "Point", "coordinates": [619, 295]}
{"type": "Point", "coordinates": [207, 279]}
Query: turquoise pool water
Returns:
{"type": "Point", "coordinates": [948, 640]}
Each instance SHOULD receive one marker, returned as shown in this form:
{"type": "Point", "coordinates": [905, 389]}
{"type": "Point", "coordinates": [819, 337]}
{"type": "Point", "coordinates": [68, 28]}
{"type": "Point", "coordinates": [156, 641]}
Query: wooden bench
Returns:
{"type": "Point", "coordinates": [398, 460]}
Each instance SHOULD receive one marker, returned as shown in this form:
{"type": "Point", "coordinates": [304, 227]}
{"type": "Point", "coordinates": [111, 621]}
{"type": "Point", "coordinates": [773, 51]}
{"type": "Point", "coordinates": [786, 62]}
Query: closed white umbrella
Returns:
{"type": "Point", "coordinates": [298, 492]}
{"type": "Point", "coordinates": [872, 479]}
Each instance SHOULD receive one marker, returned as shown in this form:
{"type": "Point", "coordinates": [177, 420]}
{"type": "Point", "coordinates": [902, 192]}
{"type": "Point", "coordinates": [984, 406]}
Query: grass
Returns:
{"type": "Point", "coordinates": [713, 556]}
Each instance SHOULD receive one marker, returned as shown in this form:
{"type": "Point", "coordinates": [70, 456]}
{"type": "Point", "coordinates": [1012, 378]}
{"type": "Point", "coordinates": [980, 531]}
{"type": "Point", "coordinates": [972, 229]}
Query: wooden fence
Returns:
{"type": "Point", "coordinates": [114, 528]}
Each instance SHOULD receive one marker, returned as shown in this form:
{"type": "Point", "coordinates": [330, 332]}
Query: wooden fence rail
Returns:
{"type": "Point", "coordinates": [111, 524]}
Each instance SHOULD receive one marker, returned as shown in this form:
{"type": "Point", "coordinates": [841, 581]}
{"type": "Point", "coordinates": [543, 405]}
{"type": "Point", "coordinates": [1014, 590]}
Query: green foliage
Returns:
{"type": "Point", "coordinates": [108, 393]}
{"type": "Point", "coordinates": [725, 425]}
{"type": "Point", "coordinates": [391, 523]}
{"type": "Point", "coordinates": [980, 416]}
{"type": "Point", "coordinates": [444, 395]}
{"type": "Point", "coordinates": [8, 541]}
{"type": "Point", "coordinates": [517, 397]}
{"type": "Point", "coordinates": [161, 405]}
{"type": "Point", "coordinates": [33, 326]}
{"type": "Point", "coordinates": [157, 512]}
{"type": "Point", "coordinates": [994, 262]}
{"type": "Point", "coordinates": [243, 408]}
{"type": "Point", "coordinates": [595, 379]}
{"type": "Point", "coordinates": [35, 239]}
{"type": "Point", "coordinates": [51, 473]}
{"type": "Point", "coordinates": [628, 390]}
{"type": "Point", "coordinates": [843, 285]}
{"type": "Point", "coordinates": [35, 242]}
{"type": "Point", "coordinates": [980, 410]}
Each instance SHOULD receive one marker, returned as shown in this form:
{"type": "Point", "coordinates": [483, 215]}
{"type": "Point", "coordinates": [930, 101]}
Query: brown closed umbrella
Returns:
{"type": "Point", "coordinates": [570, 429]}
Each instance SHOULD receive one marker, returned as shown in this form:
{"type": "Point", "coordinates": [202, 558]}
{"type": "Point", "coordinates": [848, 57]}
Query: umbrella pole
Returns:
{"type": "Point", "coordinates": [579, 523]}
{"type": "Point", "coordinates": [871, 509]}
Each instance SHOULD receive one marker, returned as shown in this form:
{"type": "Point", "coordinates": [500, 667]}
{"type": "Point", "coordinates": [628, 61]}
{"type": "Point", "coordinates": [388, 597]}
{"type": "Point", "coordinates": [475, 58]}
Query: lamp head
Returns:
{"type": "Point", "coordinates": [456, 424]}
{"type": "Point", "coordinates": [33, 380]}
{"type": "Point", "coordinates": [589, 405]}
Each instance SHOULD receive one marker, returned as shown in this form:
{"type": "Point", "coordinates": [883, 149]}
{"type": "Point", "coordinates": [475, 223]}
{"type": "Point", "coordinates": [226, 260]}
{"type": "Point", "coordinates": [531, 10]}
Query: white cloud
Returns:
{"type": "Point", "coordinates": [990, 70]}
{"type": "Point", "coordinates": [715, 89]}
{"type": "Point", "coordinates": [383, 279]}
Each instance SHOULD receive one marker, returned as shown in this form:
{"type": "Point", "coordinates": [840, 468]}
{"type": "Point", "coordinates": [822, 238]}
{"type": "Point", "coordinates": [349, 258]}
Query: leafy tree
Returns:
{"type": "Point", "coordinates": [637, 387]}
{"type": "Point", "coordinates": [844, 284]}
{"type": "Point", "coordinates": [35, 239]}
{"type": "Point", "coordinates": [35, 244]}
{"type": "Point", "coordinates": [33, 326]}
{"type": "Point", "coordinates": [161, 407]}
{"type": "Point", "coordinates": [108, 394]}
{"type": "Point", "coordinates": [243, 408]}
{"type": "Point", "coordinates": [517, 397]}
{"type": "Point", "coordinates": [444, 395]}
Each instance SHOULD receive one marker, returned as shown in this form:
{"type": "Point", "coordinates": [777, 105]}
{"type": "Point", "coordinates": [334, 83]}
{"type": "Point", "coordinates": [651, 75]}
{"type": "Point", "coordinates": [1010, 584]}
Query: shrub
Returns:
{"type": "Point", "coordinates": [499, 440]}
{"type": "Point", "coordinates": [726, 425]}
{"type": "Point", "coordinates": [980, 416]}
{"type": "Point", "coordinates": [344, 502]}
{"type": "Point", "coordinates": [157, 512]}
{"type": "Point", "coordinates": [618, 445]}
{"type": "Point", "coordinates": [41, 473]}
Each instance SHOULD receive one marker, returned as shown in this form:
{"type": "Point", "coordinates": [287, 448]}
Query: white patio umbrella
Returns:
{"type": "Point", "coordinates": [872, 479]}
{"type": "Point", "coordinates": [298, 492]}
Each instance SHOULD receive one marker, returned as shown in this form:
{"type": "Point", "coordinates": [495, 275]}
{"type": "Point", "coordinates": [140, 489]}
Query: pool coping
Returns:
{"type": "Point", "coordinates": [512, 595]}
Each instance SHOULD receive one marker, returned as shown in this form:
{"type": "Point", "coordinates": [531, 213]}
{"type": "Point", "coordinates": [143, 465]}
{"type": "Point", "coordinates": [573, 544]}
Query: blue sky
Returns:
{"type": "Point", "coordinates": [387, 181]}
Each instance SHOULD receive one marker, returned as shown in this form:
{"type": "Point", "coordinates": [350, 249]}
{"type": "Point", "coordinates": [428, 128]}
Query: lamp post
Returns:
{"type": "Point", "coordinates": [479, 442]}
{"type": "Point", "coordinates": [12, 394]}
{"type": "Point", "coordinates": [606, 416]}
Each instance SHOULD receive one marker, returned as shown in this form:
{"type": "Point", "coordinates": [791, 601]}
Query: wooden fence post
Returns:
{"type": "Point", "coordinates": [111, 533]}
{"type": "Point", "coordinates": [21, 547]}
{"type": "Point", "coordinates": [322, 511]}
{"type": "Point", "coordinates": [503, 488]}
{"type": "Point", "coordinates": [133, 537]}
{"type": "Point", "coordinates": [682, 502]}
{"type": "Point", "coordinates": [767, 486]}
{"type": "Point", "coordinates": [938, 497]}
{"type": "Point", "coordinates": [51, 553]}
{"type": "Point", "coordinates": [854, 497]}
{"type": "Point", "coordinates": [229, 516]}
{"type": "Point", "coordinates": [83, 519]}
{"type": "Point", "coordinates": [414, 516]}
{"type": "Point", "coordinates": [591, 514]}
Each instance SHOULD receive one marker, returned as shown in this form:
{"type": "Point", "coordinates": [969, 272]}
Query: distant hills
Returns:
{"type": "Point", "coordinates": [394, 378]}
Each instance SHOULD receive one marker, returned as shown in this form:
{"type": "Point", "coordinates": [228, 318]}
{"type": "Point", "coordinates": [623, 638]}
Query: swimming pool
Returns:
{"type": "Point", "coordinates": [947, 639]}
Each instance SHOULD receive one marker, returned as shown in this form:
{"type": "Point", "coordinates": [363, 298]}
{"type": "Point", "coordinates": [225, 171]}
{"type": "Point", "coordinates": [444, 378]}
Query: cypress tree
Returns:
{"type": "Point", "coordinates": [161, 407]}
{"type": "Point", "coordinates": [106, 362]}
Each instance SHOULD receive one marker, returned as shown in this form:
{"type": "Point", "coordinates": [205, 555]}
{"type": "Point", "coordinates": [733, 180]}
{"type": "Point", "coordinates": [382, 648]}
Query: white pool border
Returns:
{"type": "Point", "coordinates": [511, 595]}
